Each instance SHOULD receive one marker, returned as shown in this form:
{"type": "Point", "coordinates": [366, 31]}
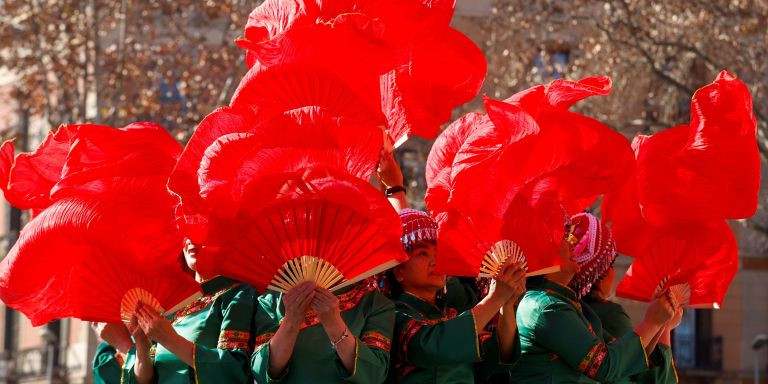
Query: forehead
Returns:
{"type": "Point", "coordinates": [424, 245]}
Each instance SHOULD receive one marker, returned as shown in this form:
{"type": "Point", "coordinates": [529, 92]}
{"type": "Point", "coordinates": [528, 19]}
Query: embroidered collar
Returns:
{"type": "Point", "coordinates": [420, 305]}
{"type": "Point", "coordinates": [216, 284]}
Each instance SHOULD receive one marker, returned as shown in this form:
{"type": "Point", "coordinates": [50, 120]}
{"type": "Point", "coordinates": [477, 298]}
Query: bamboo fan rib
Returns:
{"type": "Point", "coordinates": [305, 268]}
{"type": "Point", "coordinates": [501, 253]}
{"type": "Point", "coordinates": [131, 300]}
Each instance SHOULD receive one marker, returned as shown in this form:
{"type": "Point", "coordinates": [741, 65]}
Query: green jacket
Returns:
{"type": "Point", "coordinates": [106, 365]}
{"type": "Point", "coordinates": [369, 316]}
{"type": "Point", "coordinates": [436, 345]}
{"type": "Point", "coordinates": [563, 342]}
{"type": "Point", "coordinates": [617, 323]}
{"type": "Point", "coordinates": [219, 323]}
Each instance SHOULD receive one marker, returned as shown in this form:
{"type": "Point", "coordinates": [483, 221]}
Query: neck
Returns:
{"type": "Point", "coordinates": [426, 294]}
{"type": "Point", "coordinates": [199, 278]}
{"type": "Point", "coordinates": [561, 277]}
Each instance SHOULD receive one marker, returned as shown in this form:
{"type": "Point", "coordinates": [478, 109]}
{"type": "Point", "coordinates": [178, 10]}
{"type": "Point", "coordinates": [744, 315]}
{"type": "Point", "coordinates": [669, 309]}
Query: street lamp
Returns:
{"type": "Point", "coordinates": [758, 343]}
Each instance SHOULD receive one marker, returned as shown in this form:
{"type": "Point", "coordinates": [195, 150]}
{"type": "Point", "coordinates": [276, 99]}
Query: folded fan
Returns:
{"type": "Point", "coordinates": [309, 223]}
{"type": "Point", "coordinates": [109, 227]}
{"type": "Point", "coordinates": [697, 268]}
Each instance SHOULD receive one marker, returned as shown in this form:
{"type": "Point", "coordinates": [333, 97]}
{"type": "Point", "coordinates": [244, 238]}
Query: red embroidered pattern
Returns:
{"type": "Point", "coordinates": [411, 328]}
{"type": "Point", "coordinates": [199, 304]}
{"type": "Point", "coordinates": [593, 360]}
{"type": "Point", "coordinates": [234, 340]}
{"type": "Point", "coordinates": [375, 339]}
{"type": "Point", "coordinates": [347, 301]}
{"type": "Point", "coordinates": [263, 339]}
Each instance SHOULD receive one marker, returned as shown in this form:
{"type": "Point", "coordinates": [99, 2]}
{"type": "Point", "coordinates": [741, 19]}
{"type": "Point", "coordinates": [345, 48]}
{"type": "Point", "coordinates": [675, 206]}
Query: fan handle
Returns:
{"type": "Point", "coordinates": [498, 255]}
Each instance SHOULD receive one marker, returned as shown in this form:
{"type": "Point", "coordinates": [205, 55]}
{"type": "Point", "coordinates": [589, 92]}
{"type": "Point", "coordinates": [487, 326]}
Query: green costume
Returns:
{"type": "Point", "coordinates": [617, 323]}
{"type": "Point", "coordinates": [106, 365]}
{"type": "Point", "coordinates": [442, 346]}
{"type": "Point", "coordinates": [369, 316]}
{"type": "Point", "coordinates": [563, 342]}
{"type": "Point", "coordinates": [460, 293]}
{"type": "Point", "coordinates": [219, 323]}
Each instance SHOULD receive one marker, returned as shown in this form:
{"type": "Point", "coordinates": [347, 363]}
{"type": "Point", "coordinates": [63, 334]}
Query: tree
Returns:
{"type": "Point", "coordinates": [108, 62]}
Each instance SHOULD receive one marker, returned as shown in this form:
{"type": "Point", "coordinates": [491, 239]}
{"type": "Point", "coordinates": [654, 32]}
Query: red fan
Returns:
{"type": "Point", "coordinates": [111, 217]}
{"type": "Point", "coordinates": [533, 136]}
{"type": "Point", "coordinates": [312, 222]}
{"type": "Point", "coordinates": [428, 82]}
{"type": "Point", "coordinates": [403, 45]}
{"type": "Point", "coordinates": [712, 167]}
{"type": "Point", "coordinates": [307, 129]}
{"type": "Point", "coordinates": [27, 180]}
{"type": "Point", "coordinates": [481, 245]}
{"type": "Point", "coordinates": [697, 268]}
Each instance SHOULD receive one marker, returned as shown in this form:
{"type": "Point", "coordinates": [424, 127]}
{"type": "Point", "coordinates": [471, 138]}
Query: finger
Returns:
{"type": "Point", "coordinates": [303, 302]}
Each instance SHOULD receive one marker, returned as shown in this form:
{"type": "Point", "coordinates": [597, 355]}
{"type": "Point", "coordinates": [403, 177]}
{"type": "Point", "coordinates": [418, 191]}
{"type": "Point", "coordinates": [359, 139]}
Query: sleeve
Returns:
{"type": "Point", "coordinates": [106, 366]}
{"type": "Point", "coordinates": [266, 324]}
{"type": "Point", "coordinates": [373, 346]}
{"type": "Point", "coordinates": [561, 329]}
{"type": "Point", "coordinates": [228, 362]}
{"type": "Point", "coordinates": [662, 368]}
{"type": "Point", "coordinates": [432, 343]}
{"type": "Point", "coordinates": [492, 366]}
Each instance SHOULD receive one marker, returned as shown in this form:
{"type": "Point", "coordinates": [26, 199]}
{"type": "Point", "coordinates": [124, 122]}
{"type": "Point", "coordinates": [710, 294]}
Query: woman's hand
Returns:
{"type": "Point", "coordinates": [143, 344]}
{"type": "Point", "coordinates": [509, 285]}
{"type": "Point", "coordinates": [116, 335]}
{"type": "Point", "coordinates": [661, 310]}
{"type": "Point", "coordinates": [326, 305]}
{"type": "Point", "coordinates": [388, 173]}
{"type": "Point", "coordinates": [297, 301]}
{"type": "Point", "coordinates": [155, 326]}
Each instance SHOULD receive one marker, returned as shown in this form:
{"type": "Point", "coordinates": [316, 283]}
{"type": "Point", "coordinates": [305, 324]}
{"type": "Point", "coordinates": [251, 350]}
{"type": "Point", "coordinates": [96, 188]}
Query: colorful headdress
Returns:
{"type": "Point", "coordinates": [594, 252]}
{"type": "Point", "coordinates": [417, 226]}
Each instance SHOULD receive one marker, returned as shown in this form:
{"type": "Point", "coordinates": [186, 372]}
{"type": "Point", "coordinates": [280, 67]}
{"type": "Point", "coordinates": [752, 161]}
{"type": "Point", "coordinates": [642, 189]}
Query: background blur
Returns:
{"type": "Point", "coordinates": [172, 62]}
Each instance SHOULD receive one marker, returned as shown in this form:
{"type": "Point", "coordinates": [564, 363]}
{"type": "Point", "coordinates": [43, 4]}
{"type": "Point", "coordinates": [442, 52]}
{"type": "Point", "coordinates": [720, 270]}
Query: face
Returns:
{"type": "Point", "coordinates": [191, 251]}
{"type": "Point", "coordinates": [566, 257]}
{"type": "Point", "coordinates": [418, 272]}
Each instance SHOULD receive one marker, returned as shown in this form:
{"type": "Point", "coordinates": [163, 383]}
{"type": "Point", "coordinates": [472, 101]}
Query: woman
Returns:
{"type": "Point", "coordinates": [595, 253]}
{"type": "Point", "coordinates": [311, 335]}
{"type": "Point", "coordinates": [563, 342]}
{"type": "Point", "coordinates": [207, 341]}
{"type": "Point", "coordinates": [435, 343]}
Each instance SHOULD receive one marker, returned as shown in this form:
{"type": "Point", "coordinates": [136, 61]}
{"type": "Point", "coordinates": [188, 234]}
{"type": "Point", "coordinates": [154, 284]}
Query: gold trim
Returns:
{"type": "Point", "coordinates": [357, 354]}
{"type": "Point", "coordinates": [477, 335]}
{"type": "Point", "coordinates": [194, 362]}
{"type": "Point", "coordinates": [645, 353]}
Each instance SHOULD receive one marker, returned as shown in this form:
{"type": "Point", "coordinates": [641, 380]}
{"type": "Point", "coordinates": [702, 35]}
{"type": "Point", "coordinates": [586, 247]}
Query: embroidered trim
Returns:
{"type": "Point", "coordinates": [234, 340]}
{"type": "Point", "coordinates": [194, 363]}
{"type": "Point", "coordinates": [376, 339]}
{"type": "Point", "coordinates": [263, 339]}
{"type": "Point", "coordinates": [411, 328]}
{"type": "Point", "coordinates": [347, 301]}
{"type": "Point", "coordinates": [593, 360]}
{"type": "Point", "coordinates": [199, 304]}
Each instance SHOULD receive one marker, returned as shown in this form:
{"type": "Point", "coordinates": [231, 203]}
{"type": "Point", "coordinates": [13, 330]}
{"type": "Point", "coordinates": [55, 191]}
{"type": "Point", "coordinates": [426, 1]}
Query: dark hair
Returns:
{"type": "Point", "coordinates": [388, 285]}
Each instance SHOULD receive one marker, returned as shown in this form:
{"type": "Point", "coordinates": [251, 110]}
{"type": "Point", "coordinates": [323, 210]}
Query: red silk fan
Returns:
{"type": "Point", "coordinates": [713, 163]}
{"type": "Point", "coordinates": [27, 180]}
{"type": "Point", "coordinates": [697, 268]}
{"type": "Point", "coordinates": [403, 45]}
{"type": "Point", "coordinates": [111, 217]}
{"type": "Point", "coordinates": [312, 221]}
{"type": "Point", "coordinates": [534, 136]}
{"type": "Point", "coordinates": [308, 129]}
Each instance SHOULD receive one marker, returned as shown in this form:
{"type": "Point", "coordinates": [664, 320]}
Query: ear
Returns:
{"type": "Point", "coordinates": [397, 272]}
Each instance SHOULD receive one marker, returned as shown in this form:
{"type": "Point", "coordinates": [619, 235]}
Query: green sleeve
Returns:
{"type": "Point", "coordinates": [493, 368]}
{"type": "Point", "coordinates": [662, 367]}
{"type": "Point", "coordinates": [434, 343]}
{"type": "Point", "coordinates": [561, 329]}
{"type": "Point", "coordinates": [267, 322]}
{"type": "Point", "coordinates": [106, 368]}
{"type": "Point", "coordinates": [372, 355]}
{"type": "Point", "coordinates": [228, 362]}
{"type": "Point", "coordinates": [617, 322]}
{"type": "Point", "coordinates": [127, 374]}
